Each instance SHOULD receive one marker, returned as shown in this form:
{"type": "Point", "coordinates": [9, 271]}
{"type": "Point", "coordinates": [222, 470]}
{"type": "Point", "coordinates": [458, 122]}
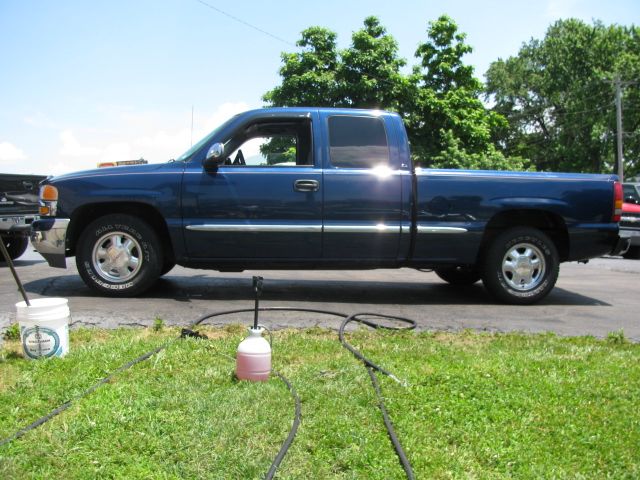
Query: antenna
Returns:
{"type": "Point", "coordinates": [192, 125]}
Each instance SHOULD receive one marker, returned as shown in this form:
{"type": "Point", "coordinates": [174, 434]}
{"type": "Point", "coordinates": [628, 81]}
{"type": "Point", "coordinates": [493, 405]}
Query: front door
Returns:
{"type": "Point", "coordinates": [264, 203]}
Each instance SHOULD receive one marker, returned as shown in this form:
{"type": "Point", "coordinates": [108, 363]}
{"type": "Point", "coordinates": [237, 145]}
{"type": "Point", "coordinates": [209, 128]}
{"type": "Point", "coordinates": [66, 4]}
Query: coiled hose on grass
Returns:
{"type": "Point", "coordinates": [367, 319]}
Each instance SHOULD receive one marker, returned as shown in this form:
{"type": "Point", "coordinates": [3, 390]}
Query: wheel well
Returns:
{"type": "Point", "coordinates": [551, 224]}
{"type": "Point", "coordinates": [87, 213]}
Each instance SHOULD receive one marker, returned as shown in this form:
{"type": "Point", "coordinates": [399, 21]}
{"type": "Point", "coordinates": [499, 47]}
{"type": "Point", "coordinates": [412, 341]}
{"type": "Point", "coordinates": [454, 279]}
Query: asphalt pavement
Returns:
{"type": "Point", "coordinates": [594, 299]}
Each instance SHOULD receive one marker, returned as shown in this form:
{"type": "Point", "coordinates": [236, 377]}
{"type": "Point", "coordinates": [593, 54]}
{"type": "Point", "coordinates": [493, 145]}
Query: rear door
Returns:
{"type": "Point", "coordinates": [363, 215]}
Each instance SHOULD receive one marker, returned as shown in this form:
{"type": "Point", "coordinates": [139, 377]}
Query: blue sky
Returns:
{"type": "Point", "coordinates": [84, 82]}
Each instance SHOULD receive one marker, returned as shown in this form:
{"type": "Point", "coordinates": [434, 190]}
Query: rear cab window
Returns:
{"type": "Point", "coordinates": [358, 142]}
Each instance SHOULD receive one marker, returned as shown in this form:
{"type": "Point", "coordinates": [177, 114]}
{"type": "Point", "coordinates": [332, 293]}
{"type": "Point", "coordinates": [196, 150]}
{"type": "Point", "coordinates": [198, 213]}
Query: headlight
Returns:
{"type": "Point", "coordinates": [48, 200]}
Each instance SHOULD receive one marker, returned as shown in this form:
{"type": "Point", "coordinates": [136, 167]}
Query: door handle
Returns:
{"type": "Point", "coordinates": [306, 185]}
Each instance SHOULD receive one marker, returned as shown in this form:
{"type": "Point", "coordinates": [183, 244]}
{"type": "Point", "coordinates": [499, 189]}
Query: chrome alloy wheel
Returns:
{"type": "Point", "coordinates": [523, 267]}
{"type": "Point", "coordinates": [117, 257]}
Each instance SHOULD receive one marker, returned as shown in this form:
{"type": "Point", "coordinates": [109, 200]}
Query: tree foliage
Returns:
{"type": "Point", "coordinates": [558, 97]}
{"type": "Point", "coordinates": [446, 114]}
{"type": "Point", "coordinates": [439, 99]}
{"type": "Point", "coordinates": [309, 76]}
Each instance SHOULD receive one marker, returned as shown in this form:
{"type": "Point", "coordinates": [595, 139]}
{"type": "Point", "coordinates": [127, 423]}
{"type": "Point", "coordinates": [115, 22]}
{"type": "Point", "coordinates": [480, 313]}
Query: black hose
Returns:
{"type": "Point", "coordinates": [292, 432]}
{"type": "Point", "coordinates": [88, 391]}
{"type": "Point", "coordinates": [371, 367]}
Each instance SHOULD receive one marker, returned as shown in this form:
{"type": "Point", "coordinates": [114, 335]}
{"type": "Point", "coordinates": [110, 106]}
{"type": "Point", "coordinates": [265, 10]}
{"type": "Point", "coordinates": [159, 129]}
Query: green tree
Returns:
{"type": "Point", "coordinates": [447, 114]}
{"type": "Point", "coordinates": [370, 74]}
{"type": "Point", "coordinates": [558, 97]}
{"type": "Point", "coordinates": [309, 76]}
{"type": "Point", "coordinates": [439, 100]}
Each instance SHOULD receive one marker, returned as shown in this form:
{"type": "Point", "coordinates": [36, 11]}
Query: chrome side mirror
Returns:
{"type": "Point", "coordinates": [215, 153]}
{"type": "Point", "coordinates": [215, 156]}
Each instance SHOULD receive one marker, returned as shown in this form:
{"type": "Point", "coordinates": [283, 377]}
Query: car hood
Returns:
{"type": "Point", "coordinates": [108, 171]}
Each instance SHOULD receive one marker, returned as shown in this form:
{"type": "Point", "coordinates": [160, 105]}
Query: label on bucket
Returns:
{"type": "Point", "coordinates": [40, 342]}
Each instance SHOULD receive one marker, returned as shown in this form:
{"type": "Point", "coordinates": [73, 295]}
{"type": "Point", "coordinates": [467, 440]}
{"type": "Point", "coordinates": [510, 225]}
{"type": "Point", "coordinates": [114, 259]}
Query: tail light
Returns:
{"type": "Point", "coordinates": [617, 202]}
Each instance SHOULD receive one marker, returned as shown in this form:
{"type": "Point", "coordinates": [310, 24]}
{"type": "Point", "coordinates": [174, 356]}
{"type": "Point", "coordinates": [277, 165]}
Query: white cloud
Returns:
{"type": "Point", "coordinates": [116, 151]}
{"type": "Point", "coordinates": [557, 9]}
{"type": "Point", "coordinates": [155, 136]}
{"type": "Point", "coordinates": [162, 144]}
{"type": "Point", "coordinates": [10, 154]}
{"type": "Point", "coordinates": [39, 120]}
{"type": "Point", "coordinates": [223, 113]}
{"type": "Point", "coordinates": [71, 147]}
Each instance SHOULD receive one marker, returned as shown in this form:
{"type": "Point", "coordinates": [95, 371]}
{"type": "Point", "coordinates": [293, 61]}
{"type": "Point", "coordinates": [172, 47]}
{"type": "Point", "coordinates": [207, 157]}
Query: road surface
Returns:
{"type": "Point", "coordinates": [594, 299]}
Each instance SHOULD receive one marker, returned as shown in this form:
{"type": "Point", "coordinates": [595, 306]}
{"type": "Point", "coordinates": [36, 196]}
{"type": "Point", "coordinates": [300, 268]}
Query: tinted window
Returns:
{"type": "Point", "coordinates": [357, 142]}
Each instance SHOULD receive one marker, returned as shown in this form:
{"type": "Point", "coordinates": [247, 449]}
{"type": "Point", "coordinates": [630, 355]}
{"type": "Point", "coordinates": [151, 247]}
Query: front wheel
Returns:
{"type": "Point", "coordinates": [521, 266]}
{"type": "Point", "coordinates": [119, 255]}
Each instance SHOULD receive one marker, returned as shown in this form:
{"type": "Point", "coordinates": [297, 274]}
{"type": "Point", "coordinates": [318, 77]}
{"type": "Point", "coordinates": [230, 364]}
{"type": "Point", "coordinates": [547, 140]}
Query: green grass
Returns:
{"type": "Point", "coordinates": [476, 406]}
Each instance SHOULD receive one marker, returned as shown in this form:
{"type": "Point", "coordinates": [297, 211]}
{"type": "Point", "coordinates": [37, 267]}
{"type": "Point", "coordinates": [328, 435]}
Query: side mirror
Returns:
{"type": "Point", "coordinates": [215, 156]}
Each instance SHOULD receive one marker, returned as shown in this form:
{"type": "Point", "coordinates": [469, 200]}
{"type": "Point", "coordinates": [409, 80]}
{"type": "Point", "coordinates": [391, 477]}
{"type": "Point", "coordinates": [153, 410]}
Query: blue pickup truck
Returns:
{"type": "Point", "coordinates": [302, 188]}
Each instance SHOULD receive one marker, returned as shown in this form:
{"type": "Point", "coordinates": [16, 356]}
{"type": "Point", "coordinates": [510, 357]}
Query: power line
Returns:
{"type": "Point", "coordinates": [247, 24]}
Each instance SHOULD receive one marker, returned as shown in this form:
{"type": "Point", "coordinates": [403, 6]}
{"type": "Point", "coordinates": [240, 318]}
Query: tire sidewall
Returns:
{"type": "Point", "coordinates": [150, 254]}
{"type": "Point", "coordinates": [494, 278]}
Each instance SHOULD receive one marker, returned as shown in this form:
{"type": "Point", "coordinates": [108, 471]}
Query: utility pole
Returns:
{"type": "Point", "coordinates": [618, 84]}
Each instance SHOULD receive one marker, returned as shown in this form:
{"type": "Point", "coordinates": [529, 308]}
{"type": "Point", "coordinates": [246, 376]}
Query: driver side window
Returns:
{"type": "Point", "coordinates": [274, 143]}
{"type": "Point", "coordinates": [266, 151]}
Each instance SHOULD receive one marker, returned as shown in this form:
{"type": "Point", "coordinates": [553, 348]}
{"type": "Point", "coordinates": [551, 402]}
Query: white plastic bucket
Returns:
{"type": "Point", "coordinates": [44, 327]}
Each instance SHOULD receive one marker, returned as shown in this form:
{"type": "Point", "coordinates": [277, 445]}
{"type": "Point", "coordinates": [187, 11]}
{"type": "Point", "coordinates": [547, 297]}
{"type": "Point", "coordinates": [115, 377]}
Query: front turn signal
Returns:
{"type": "Point", "coordinates": [49, 193]}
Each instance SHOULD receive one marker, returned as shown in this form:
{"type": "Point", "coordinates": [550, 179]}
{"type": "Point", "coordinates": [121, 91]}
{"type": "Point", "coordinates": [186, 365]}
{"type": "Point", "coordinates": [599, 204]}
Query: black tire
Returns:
{"type": "Point", "coordinates": [632, 253]}
{"type": "Point", "coordinates": [15, 245]}
{"type": "Point", "coordinates": [458, 276]}
{"type": "Point", "coordinates": [536, 259]}
{"type": "Point", "coordinates": [119, 255]}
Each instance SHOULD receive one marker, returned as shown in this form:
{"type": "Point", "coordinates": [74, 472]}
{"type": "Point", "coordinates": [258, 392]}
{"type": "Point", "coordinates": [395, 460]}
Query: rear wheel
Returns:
{"type": "Point", "coordinates": [459, 276]}
{"type": "Point", "coordinates": [15, 245]}
{"type": "Point", "coordinates": [521, 266]}
{"type": "Point", "coordinates": [119, 255]}
{"type": "Point", "coordinates": [632, 253]}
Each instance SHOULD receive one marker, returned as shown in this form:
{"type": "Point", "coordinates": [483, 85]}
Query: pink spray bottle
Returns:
{"type": "Point", "coordinates": [253, 358]}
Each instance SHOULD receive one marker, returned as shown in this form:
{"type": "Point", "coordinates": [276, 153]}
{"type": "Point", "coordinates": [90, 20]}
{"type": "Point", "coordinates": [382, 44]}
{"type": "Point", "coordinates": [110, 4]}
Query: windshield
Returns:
{"type": "Point", "coordinates": [202, 142]}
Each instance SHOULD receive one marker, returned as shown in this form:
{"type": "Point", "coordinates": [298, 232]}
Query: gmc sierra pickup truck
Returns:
{"type": "Point", "coordinates": [18, 209]}
{"type": "Point", "coordinates": [301, 188]}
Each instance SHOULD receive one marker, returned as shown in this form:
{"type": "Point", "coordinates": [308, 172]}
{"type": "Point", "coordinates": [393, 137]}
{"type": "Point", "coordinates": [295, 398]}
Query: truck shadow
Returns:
{"type": "Point", "coordinates": [214, 288]}
{"type": "Point", "coordinates": [20, 263]}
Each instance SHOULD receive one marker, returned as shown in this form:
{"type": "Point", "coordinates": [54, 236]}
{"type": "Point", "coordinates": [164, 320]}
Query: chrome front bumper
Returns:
{"type": "Point", "coordinates": [48, 237]}
{"type": "Point", "coordinates": [16, 223]}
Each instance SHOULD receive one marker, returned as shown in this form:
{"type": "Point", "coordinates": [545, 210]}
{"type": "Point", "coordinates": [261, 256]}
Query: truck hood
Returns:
{"type": "Point", "coordinates": [108, 171]}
